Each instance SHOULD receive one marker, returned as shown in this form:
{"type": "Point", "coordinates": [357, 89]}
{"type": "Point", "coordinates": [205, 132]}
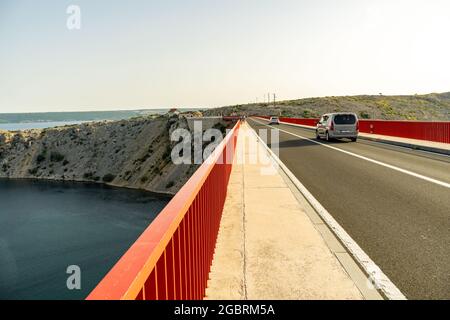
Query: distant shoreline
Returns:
{"type": "Point", "coordinates": [157, 194]}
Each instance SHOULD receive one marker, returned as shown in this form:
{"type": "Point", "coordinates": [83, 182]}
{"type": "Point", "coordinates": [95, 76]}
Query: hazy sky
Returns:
{"type": "Point", "coordinates": [168, 53]}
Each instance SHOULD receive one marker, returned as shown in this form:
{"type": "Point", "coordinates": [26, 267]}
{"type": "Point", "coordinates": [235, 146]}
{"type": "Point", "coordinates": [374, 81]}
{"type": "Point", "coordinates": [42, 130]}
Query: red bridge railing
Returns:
{"type": "Point", "coordinates": [438, 131]}
{"type": "Point", "coordinates": [171, 260]}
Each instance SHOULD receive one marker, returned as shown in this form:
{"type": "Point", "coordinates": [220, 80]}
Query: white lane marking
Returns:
{"type": "Point", "coordinates": [375, 274]}
{"type": "Point", "coordinates": [417, 175]}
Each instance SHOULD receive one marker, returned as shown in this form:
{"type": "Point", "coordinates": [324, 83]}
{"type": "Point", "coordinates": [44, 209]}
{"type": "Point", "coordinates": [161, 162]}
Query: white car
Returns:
{"type": "Point", "coordinates": [274, 120]}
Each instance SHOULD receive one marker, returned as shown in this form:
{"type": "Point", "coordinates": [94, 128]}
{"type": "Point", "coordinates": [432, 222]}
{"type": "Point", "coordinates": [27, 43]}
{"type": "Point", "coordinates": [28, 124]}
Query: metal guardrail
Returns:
{"type": "Point", "coordinates": [437, 131]}
{"type": "Point", "coordinates": [172, 258]}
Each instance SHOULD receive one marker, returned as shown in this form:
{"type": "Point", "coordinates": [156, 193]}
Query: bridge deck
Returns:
{"type": "Point", "coordinates": [268, 247]}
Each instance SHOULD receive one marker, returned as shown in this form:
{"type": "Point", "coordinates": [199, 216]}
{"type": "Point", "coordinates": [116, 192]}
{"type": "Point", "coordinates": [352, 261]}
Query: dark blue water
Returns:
{"type": "Point", "coordinates": [47, 226]}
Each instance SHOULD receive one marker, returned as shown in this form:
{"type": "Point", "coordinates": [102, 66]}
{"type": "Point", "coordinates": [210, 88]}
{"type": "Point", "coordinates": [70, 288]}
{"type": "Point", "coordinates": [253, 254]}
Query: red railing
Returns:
{"type": "Point", "coordinates": [421, 130]}
{"type": "Point", "coordinates": [438, 131]}
{"type": "Point", "coordinates": [171, 260]}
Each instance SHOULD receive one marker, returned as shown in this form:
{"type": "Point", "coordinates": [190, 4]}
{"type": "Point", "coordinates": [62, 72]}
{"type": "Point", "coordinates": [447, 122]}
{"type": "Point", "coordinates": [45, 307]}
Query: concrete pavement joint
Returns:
{"type": "Point", "coordinates": [380, 280]}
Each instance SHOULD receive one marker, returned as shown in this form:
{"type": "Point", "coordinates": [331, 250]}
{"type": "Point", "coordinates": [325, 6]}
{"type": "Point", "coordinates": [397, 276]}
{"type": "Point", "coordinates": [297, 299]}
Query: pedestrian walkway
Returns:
{"type": "Point", "coordinates": [409, 143]}
{"type": "Point", "coordinates": [268, 247]}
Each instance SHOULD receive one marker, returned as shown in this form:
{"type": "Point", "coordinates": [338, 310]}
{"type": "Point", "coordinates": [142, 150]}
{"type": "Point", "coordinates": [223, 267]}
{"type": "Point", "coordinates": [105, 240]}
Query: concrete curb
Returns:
{"type": "Point", "coordinates": [406, 145]}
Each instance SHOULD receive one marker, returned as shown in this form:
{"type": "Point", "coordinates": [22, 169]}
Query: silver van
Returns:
{"type": "Point", "coordinates": [338, 125]}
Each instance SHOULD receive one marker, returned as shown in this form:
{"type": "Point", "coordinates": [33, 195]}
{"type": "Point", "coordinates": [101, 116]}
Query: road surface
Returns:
{"type": "Point", "coordinates": [397, 208]}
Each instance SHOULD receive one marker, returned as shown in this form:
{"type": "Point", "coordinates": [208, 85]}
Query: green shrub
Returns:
{"type": "Point", "coordinates": [364, 115]}
{"type": "Point", "coordinates": [167, 153]}
{"type": "Point", "coordinates": [40, 158]}
{"type": "Point", "coordinates": [65, 163]}
{"type": "Point", "coordinates": [144, 179]}
{"type": "Point", "coordinates": [33, 171]}
{"type": "Point", "coordinates": [88, 175]}
{"type": "Point", "coordinates": [56, 157]}
{"type": "Point", "coordinates": [108, 177]}
{"type": "Point", "coordinates": [170, 184]}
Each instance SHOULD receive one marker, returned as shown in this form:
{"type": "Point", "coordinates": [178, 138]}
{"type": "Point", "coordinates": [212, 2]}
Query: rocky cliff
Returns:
{"type": "Point", "coordinates": [133, 153]}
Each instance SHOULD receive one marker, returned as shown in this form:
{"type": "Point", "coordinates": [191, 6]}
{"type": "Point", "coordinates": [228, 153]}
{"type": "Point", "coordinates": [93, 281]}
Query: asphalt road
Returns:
{"type": "Point", "coordinates": [401, 221]}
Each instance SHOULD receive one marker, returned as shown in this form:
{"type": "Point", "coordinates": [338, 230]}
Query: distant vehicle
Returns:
{"type": "Point", "coordinates": [274, 120]}
{"type": "Point", "coordinates": [338, 125]}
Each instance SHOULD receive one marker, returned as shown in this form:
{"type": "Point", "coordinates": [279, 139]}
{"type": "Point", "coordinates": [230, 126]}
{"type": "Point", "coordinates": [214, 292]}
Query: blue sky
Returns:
{"type": "Point", "coordinates": [136, 54]}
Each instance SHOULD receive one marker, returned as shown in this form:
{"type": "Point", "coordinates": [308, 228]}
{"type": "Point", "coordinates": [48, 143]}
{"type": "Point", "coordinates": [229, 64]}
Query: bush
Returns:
{"type": "Point", "coordinates": [56, 157]}
{"type": "Point", "coordinates": [65, 163]}
{"type": "Point", "coordinates": [108, 177]}
{"type": "Point", "coordinates": [170, 184]}
{"type": "Point", "coordinates": [88, 175]}
{"type": "Point", "coordinates": [33, 171]}
{"type": "Point", "coordinates": [144, 179]}
{"type": "Point", "coordinates": [166, 155]}
{"type": "Point", "coordinates": [40, 158]}
{"type": "Point", "coordinates": [364, 115]}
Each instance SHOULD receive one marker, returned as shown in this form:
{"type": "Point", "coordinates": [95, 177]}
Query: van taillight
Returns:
{"type": "Point", "coordinates": [357, 125]}
{"type": "Point", "coordinates": [332, 126]}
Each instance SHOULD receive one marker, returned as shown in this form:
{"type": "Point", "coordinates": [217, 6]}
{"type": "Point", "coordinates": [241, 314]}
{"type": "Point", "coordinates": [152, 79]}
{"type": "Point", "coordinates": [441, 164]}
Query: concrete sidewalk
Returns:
{"type": "Point", "coordinates": [268, 247]}
{"type": "Point", "coordinates": [430, 146]}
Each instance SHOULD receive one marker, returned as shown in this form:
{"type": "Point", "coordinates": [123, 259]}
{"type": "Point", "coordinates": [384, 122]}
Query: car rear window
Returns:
{"type": "Point", "coordinates": [345, 119]}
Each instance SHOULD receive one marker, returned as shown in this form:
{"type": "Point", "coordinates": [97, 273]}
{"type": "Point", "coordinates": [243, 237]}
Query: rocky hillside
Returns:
{"type": "Point", "coordinates": [131, 153]}
{"type": "Point", "coordinates": [416, 107]}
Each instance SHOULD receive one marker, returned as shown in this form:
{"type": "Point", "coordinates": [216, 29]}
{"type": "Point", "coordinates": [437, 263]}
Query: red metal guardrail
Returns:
{"type": "Point", "coordinates": [437, 131]}
{"type": "Point", "coordinates": [172, 258]}
{"type": "Point", "coordinates": [421, 130]}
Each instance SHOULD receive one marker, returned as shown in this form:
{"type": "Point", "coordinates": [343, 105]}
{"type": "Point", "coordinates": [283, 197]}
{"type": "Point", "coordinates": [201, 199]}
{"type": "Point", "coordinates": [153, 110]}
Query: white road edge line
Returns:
{"type": "Point", "coordinates": [376, 275]}
{"type": "Point", "coordinates": [417, 175]}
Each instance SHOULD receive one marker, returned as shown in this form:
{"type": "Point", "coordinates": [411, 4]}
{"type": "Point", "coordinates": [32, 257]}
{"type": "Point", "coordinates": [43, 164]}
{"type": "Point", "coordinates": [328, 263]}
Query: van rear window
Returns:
{"type": "Point", "coordinates": [344, 119]}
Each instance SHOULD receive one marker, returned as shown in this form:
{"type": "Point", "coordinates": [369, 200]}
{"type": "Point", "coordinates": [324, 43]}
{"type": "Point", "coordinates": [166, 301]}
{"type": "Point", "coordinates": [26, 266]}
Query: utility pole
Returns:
{"type": "Point", "coordinates": [274, 97]}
